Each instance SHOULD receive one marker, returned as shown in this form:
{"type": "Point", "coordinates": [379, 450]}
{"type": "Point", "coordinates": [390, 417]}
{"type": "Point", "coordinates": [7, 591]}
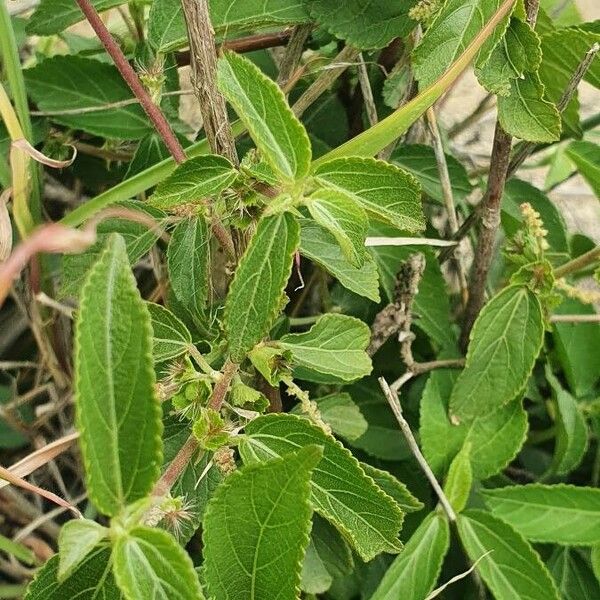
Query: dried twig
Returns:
{"type": "Point", "coordinates": [325, 80]}
{"type": "Point", "coordinates": [394, 402]}
{"type": "Point", "coordinates": [293, 53]}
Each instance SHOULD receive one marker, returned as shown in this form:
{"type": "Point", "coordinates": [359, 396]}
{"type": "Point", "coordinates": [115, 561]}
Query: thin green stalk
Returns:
{"type": "Point", "coordinates": [14, 76]}
{"type": "Point", "coordinates": [589, 258]}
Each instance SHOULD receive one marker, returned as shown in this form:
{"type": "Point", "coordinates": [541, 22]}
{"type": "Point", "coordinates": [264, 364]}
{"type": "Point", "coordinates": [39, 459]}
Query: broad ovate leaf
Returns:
{"type": "Point", "coordinates": [72, 82]}
{"type": "Point", "coordinates": [76, 540]}
{"type": "Point", "coordinates": [394, 488]}
{"type": "Point", "coordinates": [573, 576]}
{"type": "Point", "coordinates": [383, 189]}
{"type": "Point", "coordinates": [149, 563]}
{"type": "Point", "coordinates": [193, 181]}
{"type": "Point", "coordinates": [344, 218]}
{"type": "Point", "coordinates": [526, 114]}
{"type": "Point", "coordinates": [188, 261]}
{"type": "Point", "coordinates": [318, 245]}
{"type": "Point", "coordinates": [558, 514]}
{"type": "Point", "coordinates": [414, 572]}
{"type": "Point", "coordinates": [256, 292]}
{"type": "Point", "coordinates": [454, 28]}
{"type": "Point", "coordinates": [586, 156]}
{"type": "Point", "coordinates": [332, 350]}
{"type": "Point", "coordinates": [367, 518]}
{"type": "Point", "coordinates": [257, 526]}
{"type": "Point", "coordinates": [91, 578]}
{"type": "Point", "coordinates": [495, 438]}
{"type": "Point", "coordinates": [54, 16]}
{"type": "Point", "coordinates": [261, 105]}
{"type": "Point", "coordinates": [364, 24]}
{"type": "Point", "coordinates": [342, 415]}
{"type": "Point", "coordinates": [170, 337]}
{"type": "Point", "coordinates": [505, 342]}
{"type": "Point", "coordinates": [118, 414]}
{"type": "Point", "coordinates": [512, 568]}
{"type": "Point", "coordinates": [167, 30]}
{"type": "Point", "coordinates": [460, 479]}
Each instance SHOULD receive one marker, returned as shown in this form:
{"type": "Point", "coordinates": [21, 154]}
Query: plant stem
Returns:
{"type": "Point", "coordinates": [442, 166]}
{"type": "Point", "coordinates": [490, 222]}
{"type": "Point", "coordinates": [154, 113]}
{"type": "Point", "coordinates": [367, 92]}
{"type": "Point", "coordinates": [222, 386]}
{"type": "Point", "coordinates": [589, 258]}
{"type": "Point", "coordinates": [394, 402]}
{"type": "Point", "coordinates": [490, 212]}
{"type": "Point", "coordinates": [249, 43]}
{"type": "Point", "coordinates": [595, 318]}
{"type": "Point", "coordinates": [325, 80]}
{"type": "Point", "coordinates": [14, 75]}
{"type": "Point", "coordinates": [293, 54]}
{"type": "Point", "coordinates": [203, 60]}
{"type": "Point", "coordinates": [176, 468]}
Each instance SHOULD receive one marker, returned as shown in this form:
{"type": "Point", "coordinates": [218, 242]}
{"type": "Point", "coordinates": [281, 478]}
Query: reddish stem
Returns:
{"type": "Point", "coordinates": [129, 75]}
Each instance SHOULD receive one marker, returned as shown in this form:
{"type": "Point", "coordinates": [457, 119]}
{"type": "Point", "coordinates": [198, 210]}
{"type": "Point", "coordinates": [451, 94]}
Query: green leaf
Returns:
{"type": "Point", "coordinates": [518, 51]}
{"type": "Point", "coordinates": [394, 488]}
{"type": "Point", "coordinates": [188, 262]}
{"type": "Point", "coordinates": [578, 348]}
{"type": "Point", "coordinates": [71, 82]}
{"type": "Point", "coordinates": [586, 157]}
{"type": "Point", "coordinates": [345, 219]}
{"type": "Point", "coordinates": [560, 514]}
{"type": "Point", "coordinates": [139, 238]}
{"type": "Point", "coordinates": [453, 29]}
{"type": "Point", "coordinates": [150, 151]}
{"type": "Point", "coordinates": [388, 130]}
{"type": "Point", "coordinates": [149, 563]}
{"type": "Point", "coordinates": [573, 576]}
{"type": "Point", "coordinates": [562, 52]}
{"type": "Point", "coordinates": [170, 337]}
{"type": "Point", "coordinates": [460, 479]}
{"type": "Point", "coordinates": [368, 519]}
{"type": "Point", "coordinates": [526, 114]}
{"type": "Point", "coordinates": [414, 572]}
{"type": "Point", "coordinates": [255, 294]}
{"type": "Point", "coordinates": [515, 193]}
{"type": "Point", "coordinates": [319, 246]}
{"type": "Point", "coordinates": [167, 30]}
{"type": "Point", "coordinates": [383, 438]}
{"type": "Point", "coordinates": [495, 438]}
{"type": "Point", "coordinates": [420, 161]}
{"type": "Point", "coordinates": [505, 341]}
{"type": "Point", "coordinates": [118, 414]}
{"type": "Point", "coordinates": [364, 25]}
{"type": "Point", "coordinates": [92, 578]}
{"type": "Point", "coordinates": [262, 107]}
{"type": "Point", "coordinates": [332, 350]}
{"type": "Point", "coordinates": [595, 560]}
{"type": "Point", "coordinates": [54, 16]}
{"type": "Point", "coordinates": [571, 429]}
{"type": "Point", "coordinates": [343, 415]}
{"type": "Point", "coordinates": [257, 527]}
{"type": "Point", "coordinates": [381, 188]}
{"type": "Point", "coordinates": [193, 181]}
{"type": "Point", "coordinates": [512, 569]}
{"type": "Point", "coordinates": [76, 540]}
{"type": "Point", "coordinates": [432, 303]}
{"type": "Point", "coordinates": [327, 557]}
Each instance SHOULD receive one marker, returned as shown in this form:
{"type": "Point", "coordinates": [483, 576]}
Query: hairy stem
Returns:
{"type": "Point", "coordinates": [585, 260]}
{"type": "Point", "coordinates": [203, 60]}
{"type": "Point", "coordinates": [293, 54]}
{"type": "Point", "coordinates": [129, 75]}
